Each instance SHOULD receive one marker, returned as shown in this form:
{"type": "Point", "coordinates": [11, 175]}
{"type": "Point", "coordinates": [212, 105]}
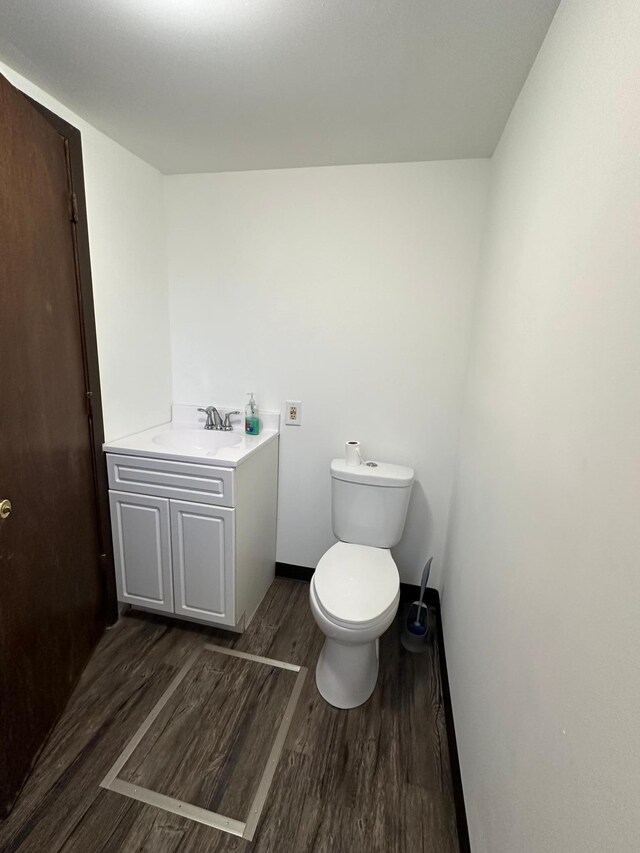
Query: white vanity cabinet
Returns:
{"type": "Point", "coordinates": [193, 539]}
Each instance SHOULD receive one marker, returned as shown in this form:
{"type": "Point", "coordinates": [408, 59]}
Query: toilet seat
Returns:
{"type": "Point", "coordinates": [356, 626]}
{"type": "Point", "coordinates": [356, 585]}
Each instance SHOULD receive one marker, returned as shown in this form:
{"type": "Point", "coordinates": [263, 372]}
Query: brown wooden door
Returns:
{"type": "Point", "coordinates": [51, 595]}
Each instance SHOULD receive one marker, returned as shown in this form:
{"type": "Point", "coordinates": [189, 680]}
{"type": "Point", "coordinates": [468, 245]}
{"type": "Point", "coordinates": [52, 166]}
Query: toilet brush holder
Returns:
{"type": "Point", "coordinates": [415, 630]}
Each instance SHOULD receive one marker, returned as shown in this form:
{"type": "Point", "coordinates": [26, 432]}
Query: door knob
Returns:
{"type": "Point", "coordinates": [5, 508]}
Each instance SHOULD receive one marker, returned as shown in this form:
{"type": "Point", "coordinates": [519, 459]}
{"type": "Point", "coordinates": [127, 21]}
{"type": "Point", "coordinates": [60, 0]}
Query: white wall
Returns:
{"type": "Point", "coordinates": [128, 262]}
{"type": "Point", "coordinates": [349, 288]}
{"type": "Point", "coordinates": [542, 585]}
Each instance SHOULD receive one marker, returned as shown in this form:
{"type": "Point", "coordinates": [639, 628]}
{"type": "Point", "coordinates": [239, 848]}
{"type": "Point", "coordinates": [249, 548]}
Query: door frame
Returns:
{"type": "Point", "coordinates": [73, 142]}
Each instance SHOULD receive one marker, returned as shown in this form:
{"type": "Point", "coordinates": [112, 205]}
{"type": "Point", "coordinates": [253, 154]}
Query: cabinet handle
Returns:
{"type": "Point", "coordinates": [5, 508]}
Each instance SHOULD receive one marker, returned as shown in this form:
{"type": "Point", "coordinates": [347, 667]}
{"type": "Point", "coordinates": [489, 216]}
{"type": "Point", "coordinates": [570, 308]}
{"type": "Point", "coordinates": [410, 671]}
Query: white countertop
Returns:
{"type": "Point", "coordinates": [184, 439]}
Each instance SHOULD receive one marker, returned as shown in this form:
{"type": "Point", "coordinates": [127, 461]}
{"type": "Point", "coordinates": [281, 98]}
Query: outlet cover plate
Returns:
{"type": "Point", "coordinates": [293, 413]}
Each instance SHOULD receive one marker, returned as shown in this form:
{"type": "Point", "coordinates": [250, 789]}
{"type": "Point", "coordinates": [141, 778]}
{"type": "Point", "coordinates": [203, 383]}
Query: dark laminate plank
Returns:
{"type": "Point", "coordinates": [376, 778]}
{"type": "Point", "coordinates": [93, 832]}
{"type": "Point", "coordinates": [150, 830]}
{"type": "Point", "coordinates": [94, 728]}
{"type": "Point", "coordinates": [210, 744]}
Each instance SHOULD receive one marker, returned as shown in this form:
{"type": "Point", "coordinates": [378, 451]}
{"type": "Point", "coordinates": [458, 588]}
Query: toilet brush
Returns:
{"type": "Point", "coordinates": [417, 627]}
{"type": "Point", "coordinates": [415, 634]}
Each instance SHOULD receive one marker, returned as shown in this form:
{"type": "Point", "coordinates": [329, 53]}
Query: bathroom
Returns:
{"type": "Point", "coordinates": [417, 223]}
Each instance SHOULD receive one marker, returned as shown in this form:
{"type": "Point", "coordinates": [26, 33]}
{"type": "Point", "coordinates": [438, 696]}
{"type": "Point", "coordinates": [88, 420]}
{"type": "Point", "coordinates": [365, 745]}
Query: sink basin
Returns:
{"type": "Point", "coordinates": [184, 439]}
{"type": "Point", "coordinates": [197, 440]}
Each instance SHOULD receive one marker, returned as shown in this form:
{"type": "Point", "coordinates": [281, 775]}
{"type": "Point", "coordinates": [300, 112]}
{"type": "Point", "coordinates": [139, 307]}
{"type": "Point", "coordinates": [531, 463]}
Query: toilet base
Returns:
{"type": "Point", "coordinates": [346, 674]}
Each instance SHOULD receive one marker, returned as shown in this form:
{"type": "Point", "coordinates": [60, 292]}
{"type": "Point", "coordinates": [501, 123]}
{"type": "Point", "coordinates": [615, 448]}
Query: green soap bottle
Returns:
{"type": "Point", "coordinates": [251, 419]}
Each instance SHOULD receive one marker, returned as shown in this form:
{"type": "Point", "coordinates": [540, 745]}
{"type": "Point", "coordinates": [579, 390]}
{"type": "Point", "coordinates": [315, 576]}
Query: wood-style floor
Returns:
{"type": "Point", "coordinates": [376, 778]}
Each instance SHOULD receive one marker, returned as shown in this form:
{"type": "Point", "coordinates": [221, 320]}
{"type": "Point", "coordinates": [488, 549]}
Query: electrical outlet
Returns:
{"type": "Point", "coordinates": [293, 414]}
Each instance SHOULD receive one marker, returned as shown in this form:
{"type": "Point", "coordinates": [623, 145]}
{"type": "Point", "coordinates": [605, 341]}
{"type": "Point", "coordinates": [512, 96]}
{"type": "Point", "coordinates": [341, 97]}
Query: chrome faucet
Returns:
{"type": "Point", "coordinates": [214, 419]}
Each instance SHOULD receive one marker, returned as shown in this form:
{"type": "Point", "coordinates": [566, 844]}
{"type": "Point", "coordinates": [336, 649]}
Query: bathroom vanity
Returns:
{"type": "Point", "coordinates": [193, 514]}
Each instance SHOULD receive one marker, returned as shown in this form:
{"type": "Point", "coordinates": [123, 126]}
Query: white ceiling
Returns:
{"type": "Point", "coordinates": [216, 85]}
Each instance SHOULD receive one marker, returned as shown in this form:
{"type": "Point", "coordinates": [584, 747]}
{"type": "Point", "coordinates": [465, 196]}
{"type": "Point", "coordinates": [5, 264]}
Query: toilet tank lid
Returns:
{"type": "Point", "coordinates": [376, 474]}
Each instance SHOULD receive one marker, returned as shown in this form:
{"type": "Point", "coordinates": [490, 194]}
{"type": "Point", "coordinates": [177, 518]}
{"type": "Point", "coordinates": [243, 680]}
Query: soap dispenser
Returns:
{"type": "Point", "coordinates": [251, 419]}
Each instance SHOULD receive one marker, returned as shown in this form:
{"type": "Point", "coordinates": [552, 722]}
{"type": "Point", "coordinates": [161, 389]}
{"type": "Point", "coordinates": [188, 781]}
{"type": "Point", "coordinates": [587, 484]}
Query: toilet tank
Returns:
{"type": "Point", "coordinates": [369, 502]}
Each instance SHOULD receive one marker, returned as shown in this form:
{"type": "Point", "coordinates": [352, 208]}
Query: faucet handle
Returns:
{"type": "Point", "coordinates": [227, 422]}
{"type": "Point", "coordinates": [209, 413]}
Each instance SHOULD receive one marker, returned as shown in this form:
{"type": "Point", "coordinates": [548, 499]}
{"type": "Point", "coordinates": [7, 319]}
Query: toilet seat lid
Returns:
{"type": "Point", "coordinates": [356, 583]}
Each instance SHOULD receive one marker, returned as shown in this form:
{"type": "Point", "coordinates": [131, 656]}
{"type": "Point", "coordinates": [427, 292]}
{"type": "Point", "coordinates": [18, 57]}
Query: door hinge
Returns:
{"type": "Point", "coordinates": [73, 207]}
{"type": "Point", "coordinates": [90, 404]}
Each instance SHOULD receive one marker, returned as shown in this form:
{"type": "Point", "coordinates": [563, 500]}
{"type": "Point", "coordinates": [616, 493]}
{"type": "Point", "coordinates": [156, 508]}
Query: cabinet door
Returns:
{"type": "Point", "coordinates": [142, 550]}
{"type": "Point", "coordinates": [203, 562]}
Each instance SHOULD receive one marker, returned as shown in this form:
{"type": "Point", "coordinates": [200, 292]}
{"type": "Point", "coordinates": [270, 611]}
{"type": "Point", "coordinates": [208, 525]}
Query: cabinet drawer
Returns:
{"type": "Point", "coordinates": [180, 480]}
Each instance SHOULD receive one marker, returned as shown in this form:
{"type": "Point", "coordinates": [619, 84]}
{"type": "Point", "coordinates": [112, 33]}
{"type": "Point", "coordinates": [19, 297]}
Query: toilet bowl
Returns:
{"type": "Point", "coordinates": [355, 589]}
{"type": "Point", "coordinates": [354, 597]}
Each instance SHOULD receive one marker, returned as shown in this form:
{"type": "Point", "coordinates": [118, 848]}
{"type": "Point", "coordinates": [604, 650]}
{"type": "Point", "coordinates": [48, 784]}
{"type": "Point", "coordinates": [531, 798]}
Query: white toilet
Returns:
{"type": "Point", "coordinates": [355, 589]}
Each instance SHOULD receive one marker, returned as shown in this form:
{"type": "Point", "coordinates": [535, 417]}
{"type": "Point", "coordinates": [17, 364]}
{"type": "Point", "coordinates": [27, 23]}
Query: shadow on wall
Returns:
{"type": "Point", "coordinates": [413, 550]}
{"type": "Point", "coordinates": [445, 571]}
